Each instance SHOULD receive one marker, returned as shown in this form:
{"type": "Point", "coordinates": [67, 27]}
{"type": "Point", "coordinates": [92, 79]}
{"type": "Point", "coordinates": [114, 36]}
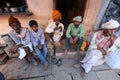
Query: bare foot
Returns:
{"type": "Point", "coordinates": [77, 65]}
{"type": "Point", "coordinates": [66, 51]}
{"type": "Point", "coordinates": [46, 66]}
{"type": "Point", "coordinates": [83, 73]}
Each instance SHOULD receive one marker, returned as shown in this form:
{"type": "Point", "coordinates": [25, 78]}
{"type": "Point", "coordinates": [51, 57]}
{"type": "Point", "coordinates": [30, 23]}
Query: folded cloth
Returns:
{"type": "Point", "coordinates": [22, 52]}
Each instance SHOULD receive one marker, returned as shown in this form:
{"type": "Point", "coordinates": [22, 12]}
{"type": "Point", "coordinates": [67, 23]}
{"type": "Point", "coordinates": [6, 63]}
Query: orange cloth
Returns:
{"type": "Point", "coordinates": [84, 46]}
{"type": "Point", "coordinates": [13, 20]}
{"type": "Point", "coordinates": [56, 15]}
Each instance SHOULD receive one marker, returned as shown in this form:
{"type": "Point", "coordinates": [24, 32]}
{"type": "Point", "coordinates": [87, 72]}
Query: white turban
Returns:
{"type": "Point", "coordinates": [111, 24]}
{"type": "Point", "coordinates": [77, 18]}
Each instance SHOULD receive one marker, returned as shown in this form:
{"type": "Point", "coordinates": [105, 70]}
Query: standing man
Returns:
{"type": "Point", "coordinates": [75, 33]}
{"type": "Point", "coordinates": [20, 35]}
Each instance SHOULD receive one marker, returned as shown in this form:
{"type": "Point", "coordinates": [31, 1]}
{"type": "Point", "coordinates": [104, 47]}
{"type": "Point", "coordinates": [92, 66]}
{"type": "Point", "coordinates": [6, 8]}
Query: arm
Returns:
{"type": "Point", "coordinates": [81, 30]}
{"type": "Point", "coordinates": [14, 38]}
{"type": "Point", "coordinates": [49, 28]}
{"type": "Point", "coordinates": [62, 27]}
{"type": "Point", "coordinates": [34, 42]}
{"type": "Point", "coordinates": [26, 39]}
{"type": "Point", "coordinates": [17, 41]}
{"type": "Point", "coordinates": [93, 41]}
{"type": "Point", "coordinates": [104, 52]}
{"type": "Point", "coordinates": [68, 31]}
{"type": "Point", "coordinates": [42, 37]}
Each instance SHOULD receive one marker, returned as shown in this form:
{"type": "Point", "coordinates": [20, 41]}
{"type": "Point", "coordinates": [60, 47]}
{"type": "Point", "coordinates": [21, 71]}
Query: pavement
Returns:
{"type": "Point", "coordinates": [13, 70]}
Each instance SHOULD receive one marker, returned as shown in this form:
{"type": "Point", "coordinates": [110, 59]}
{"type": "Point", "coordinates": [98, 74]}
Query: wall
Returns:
{"type": "Point", "coordinates": [102, 12]}
{"type": "Point", "coordinates": [91, 13]}
{"type": "Point", "coordinates": [41, 9]}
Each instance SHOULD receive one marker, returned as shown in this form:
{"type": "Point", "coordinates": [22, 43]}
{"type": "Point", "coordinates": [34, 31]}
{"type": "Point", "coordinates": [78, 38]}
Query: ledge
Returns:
{"type": "Point", "coordinates": [17, 13]}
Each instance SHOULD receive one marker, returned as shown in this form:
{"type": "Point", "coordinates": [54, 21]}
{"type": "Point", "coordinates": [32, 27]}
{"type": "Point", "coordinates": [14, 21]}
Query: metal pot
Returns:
{"type": "Point", "coordinates": [6, 9]}
{"type": "Point", "coordinates": [14, 9]}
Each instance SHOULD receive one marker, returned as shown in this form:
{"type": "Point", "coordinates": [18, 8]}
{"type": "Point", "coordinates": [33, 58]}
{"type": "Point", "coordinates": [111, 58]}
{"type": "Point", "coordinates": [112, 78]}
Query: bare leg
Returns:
{"type": "Point", "coordinates": [29, 56]}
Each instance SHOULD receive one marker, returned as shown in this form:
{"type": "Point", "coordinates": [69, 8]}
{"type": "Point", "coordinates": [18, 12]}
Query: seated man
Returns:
{"type": "Point", "coordinates": [113, 53]}
{"type": "Point", "coordinates": [74, 34]}
{"type": "Point", "coordinates": [55, 28]}
{"type": "Point", "coordinates": [20, 35]}
{"type": "Point", "coordinates": [99, 45]}
{"type": "Point", "coordinates": [38, 40]}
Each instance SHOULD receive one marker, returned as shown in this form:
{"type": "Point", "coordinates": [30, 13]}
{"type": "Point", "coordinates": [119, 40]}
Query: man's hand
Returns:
{"type": "Point", "coordinates": [56, 28]}
{"type": "Point", "coordinates": [76, 39]}
{"type": "Point", "coordinates": [60, 28]}
{"type": "Point", "coordinates": [13, 50]}
{"type": "Point", "coordinates": [15, 47]}
{"type": "Point", "coordinates": [39, 46]}
{"type": "Point", "coordinates": [102, 50]}
{"type": "Point", "coordinates": [112, 39]}
{"type": "Point", "coordinates": [71, 40]}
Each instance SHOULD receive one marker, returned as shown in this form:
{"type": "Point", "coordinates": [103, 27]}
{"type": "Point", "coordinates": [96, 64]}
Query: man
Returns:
{"type": "Point", "coordinates": [56, 27]}
{"type": "Point", "coordinates": [38, 40]}
{"type": "Point", "coordinates": [99, 44]}
{"type": "Point", "coordinates": [74, 34]}
{"type": "Point", "coordinates": [113, 53]}
{"type": "Point", "coordinates": [20, 35]}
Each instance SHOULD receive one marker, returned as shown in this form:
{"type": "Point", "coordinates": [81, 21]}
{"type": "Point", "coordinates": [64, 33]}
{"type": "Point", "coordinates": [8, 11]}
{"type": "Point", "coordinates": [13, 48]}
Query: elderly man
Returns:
{"type": "Point", "coordinates": [20, 35]}
{"type": "Point", "coordinates": [113, 53]}
{"type": "Point", "coordinates": [75, 33]}
{"type": "Point", "coordinates": [99, 45]}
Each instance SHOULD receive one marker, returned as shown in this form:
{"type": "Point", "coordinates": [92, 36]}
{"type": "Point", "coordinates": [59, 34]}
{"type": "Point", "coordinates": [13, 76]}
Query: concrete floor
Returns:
{"type": "Point", "coordinates": [13, 70]}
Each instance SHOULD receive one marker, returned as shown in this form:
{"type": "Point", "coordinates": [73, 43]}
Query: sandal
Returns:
{"type": "Point", "coordinates": [54, 60]}
{"type": "Point", "coordinates": [59, 62]}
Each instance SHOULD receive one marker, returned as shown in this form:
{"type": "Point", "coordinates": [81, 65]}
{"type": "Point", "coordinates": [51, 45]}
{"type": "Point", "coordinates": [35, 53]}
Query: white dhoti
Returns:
{"type": "Point", "coordinates": [90, 59]}
{"type": "Point", "coordinates": [113, 59]}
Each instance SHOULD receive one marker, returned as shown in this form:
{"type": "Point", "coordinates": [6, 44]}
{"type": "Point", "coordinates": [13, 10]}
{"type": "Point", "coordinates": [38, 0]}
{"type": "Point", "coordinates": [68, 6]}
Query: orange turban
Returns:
{"type": "Point", "coordinates": [13, 20]}
{"type": "Point", "coordinates": [56, 15]}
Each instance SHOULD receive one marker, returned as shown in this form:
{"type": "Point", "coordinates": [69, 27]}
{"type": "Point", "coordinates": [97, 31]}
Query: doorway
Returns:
{"type": "Point", "coordinates": [70, 9]}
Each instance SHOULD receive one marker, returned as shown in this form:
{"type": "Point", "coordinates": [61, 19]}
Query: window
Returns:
{"type": "Point", "coordinates": [13, 6]}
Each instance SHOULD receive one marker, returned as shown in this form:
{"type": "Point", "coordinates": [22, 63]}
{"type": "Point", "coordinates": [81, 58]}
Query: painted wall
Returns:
{"type": "Point", "coordinates": [102, 12]}
{"type": "Point", "coordinates": [41, 10]}
{"type": "Point", "coordinates": [91, 13]}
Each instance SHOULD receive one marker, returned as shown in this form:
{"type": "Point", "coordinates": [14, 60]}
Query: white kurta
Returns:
{"type": "Point", "coordinates": [113, 56]}
{"type": "Point", "coordinates": [57, 33]}
{"type": "Point", "coordinates": [93, 54]}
